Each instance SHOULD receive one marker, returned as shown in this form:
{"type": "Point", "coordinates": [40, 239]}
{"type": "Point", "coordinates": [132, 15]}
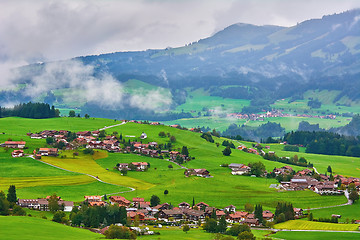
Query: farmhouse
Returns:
{"type": "Point", "coordinates": [83, 134]}
{"type": "Point", "coordinates": [43, 204]}
{"type": "Point", "coordinates": [14, 144]}
{"type": "Point", "coordinates": [166, 214]}
{"type": "Point", "coordinates": [120, 200]}
{"type": "Point", "coordinates": [238, 168]}
{"type": "Point", "coordinates": [17, 153]}
{"type": "Point", "coordinates": [92, 198]}
{"type": "Point", "coordinates": [184, 205]}
{"type": "Point", "coordinates": [140, 166]}
{"type": "Point", "coordinates": [202, 172]}
{"type": "Point", "coordinates": [237, 217]}
{"type": "Point", "coordinates": [48, 152]}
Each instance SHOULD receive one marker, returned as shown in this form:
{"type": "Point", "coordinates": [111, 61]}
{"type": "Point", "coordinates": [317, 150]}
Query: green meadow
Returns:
{"type": "Point", "coordinates": [26, 228]}
{"type": "Point", "coordinates": [310, 225]}
{"type": "Point", "coordinates": [314, 235]}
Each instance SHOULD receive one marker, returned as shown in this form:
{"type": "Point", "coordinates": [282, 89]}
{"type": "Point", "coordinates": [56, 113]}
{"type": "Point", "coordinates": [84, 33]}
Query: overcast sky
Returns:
{"type": "Point", "coordinates": [42, 30]}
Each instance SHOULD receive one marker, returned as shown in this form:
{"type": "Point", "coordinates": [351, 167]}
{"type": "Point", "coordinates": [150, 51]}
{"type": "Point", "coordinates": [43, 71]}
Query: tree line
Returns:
{"type": "Point", "coordinates": [30, 110]}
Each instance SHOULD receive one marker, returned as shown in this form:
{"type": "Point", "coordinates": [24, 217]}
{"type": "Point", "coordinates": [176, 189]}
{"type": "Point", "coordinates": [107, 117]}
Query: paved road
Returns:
{"type": "Point", "coordinates": [106, 127]}
{"type": "Point", "coordinates": [96, 178]}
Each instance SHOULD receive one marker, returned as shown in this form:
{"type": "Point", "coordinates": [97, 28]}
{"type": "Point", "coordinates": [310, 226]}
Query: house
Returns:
{"type": "Point", "coordinates": [43, 204]}
{"type": "Point", "coordinates": [120, 200]}
{"type": "Point", "coordinates": [268, 216]}
{"type": "Point", "coordinates": [140, 165]}
{"type": "Point", "coordinates": [230, 208]}
{"type": "Point", "coordinates": [202, 205]}
{"type": "Point", "coordinates": [184, 205]}
{"type": "Point", "coordinates": [326, 188]}
{"type": "Point", "coordinates": [137, 200]}
{"type": "Point", "coordinates": [252, 222]}
{"type": "Point", "coordinates": [201, 172]}
{"type": "Point", "coordinates": [194, 215]}
{"type": "Point", "coordinates": [95, 133]}
{"type": "Point", "coordinates": [143, 136]}
{"type": "Point", "coordinates": [35, 136]}
{"type": "Point", "coordinates": [237, 217]}
{"type": "Point", "coordinates": [238, 168]}
{"type": "Point", "coordinates": [123, 166]}
{"type": "Point", "coordinates": [17, 153]}
{"type": "Point", "coordinates": [176, 214]}
{"type": "Point", "coordinates": [14, 144]}
{"type": "Point", "coordinates": [48, 152]}
{"type": "Point", "coordinates": [220, 213]}
{"type": "Point", "coordinates": [298, 212]}
{"type": "Point", "coordinates": [100, 203]}
{"type": "Point", "coordinates": [83, 134]}
{"type": "Point", "coordinates": [93, 198]}
{"type": "Point", "coordinates": [132, 215]}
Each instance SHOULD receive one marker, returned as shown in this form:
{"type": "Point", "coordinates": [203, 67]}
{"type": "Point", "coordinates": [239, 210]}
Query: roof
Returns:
{"type": "Point", "coordinates": [15, 142]}
{"type": "Point", "coordinates": [202, 203]}
{"type": "Point", "coordinates": [235, 165]}
{"type": "Point", "coordinates": [138, 199]}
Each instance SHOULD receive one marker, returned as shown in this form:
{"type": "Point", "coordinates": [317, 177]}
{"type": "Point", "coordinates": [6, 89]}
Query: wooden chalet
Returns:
{"type": "Point", "coordinates": [14, 144]}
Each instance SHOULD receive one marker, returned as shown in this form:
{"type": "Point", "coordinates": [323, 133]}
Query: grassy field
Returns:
{"type": "Point", "coordinates": [307, 225]}
{"type": "Point", "coordinates": [347, 166]}
{"type": "Point", "coordinates": [348, 212]}
{"type": "Point", "coordinates": [315, 235]}
{"type": "Point", "coordinates": [27, 228]}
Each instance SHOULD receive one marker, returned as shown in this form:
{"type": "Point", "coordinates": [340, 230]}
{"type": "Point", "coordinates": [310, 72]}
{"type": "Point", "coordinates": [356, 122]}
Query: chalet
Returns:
{"type": "Point", "coordinates": [335, 216]}
{"type": "Point", "coordinates": [254, 151]}
{"type": "Point", "coordinates": [283, 170]}
{"type": "Point", "coordinates": [120, 200]}
{"type": "Point", "coordinates": [202, 205]}
{"type": "Point", "coordinates": [220, 213]}
{"type": "Point", "coordinates": [48, 151]}
{"type": "Point", "coordinates": [202, 172]}
{"type": "Point", "coordinates": [230, 208]}
{"type": "Point", "coordinates": [132, 215]}
{"type": "Point", "coordinates": [14, 144]}
{"type": "Point", "coordinates": [164, 206]}
{"type": "Point", "coordinates": [83, 134]}
{"type": "Point", "coordinates": [241, 147]}
{"type": "Point", "coordinates": [43, 204]}
{"type": "Point", "coordinates": [95, 145]}
{"type": "Point", "coordinates": [123, 166]}
{"type": "Point", "coordinates": [298, 212]}
{"type": "Point", "coordinates": [238, 168]}
{"type": "Point", "coordinates": [175, 126]}
{"type": "Point", "coordinates": [93, 198]}
{"type": "Point", "coordinates": [95, 133]}
{"type": "Point", "coordinates": [237, 217]}
{"type": "Point", "coordinates": [304, 172]}
{"type": "Point", "coordinates": [153, 144]}
{"type": "Point", "coordinates": [252, 222]}
{"type": "Point", "coordinates": [142, 205]}
{"type": "Point", "coordinates": [268, 216]}
{"type": "Point", "coordinates": [326, 188]}
{"type": "Point", "coordinates": [175, 214]}
{"type": "Point", "coordinates": [140, 166]}
{"type": "Point", "coordinates": [184, 205]}
{"type": "Point", "coordinates": [137, 200]}
{"type": "Point", "coordinates": [194, 215]}
{"type": "Point", "coordinates": [17, 153]}
{"type": "Point", "coordinates": [35, 136]}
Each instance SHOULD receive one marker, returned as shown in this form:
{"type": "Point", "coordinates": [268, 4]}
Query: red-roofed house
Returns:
{"type": "Point", "coordinates": [17, 153]}
{"type": "Point", "coordinates": [14, 144]}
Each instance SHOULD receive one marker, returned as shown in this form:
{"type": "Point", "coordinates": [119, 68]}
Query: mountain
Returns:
{"type": "Point", "coordinates": [259, 63]}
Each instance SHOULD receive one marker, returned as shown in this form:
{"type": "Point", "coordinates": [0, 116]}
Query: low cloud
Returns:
{"type": "Point", "coordinates": [103, 90]}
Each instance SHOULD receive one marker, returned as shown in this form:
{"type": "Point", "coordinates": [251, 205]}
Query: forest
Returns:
{"type": "Point", "coordinates": [30, 110]}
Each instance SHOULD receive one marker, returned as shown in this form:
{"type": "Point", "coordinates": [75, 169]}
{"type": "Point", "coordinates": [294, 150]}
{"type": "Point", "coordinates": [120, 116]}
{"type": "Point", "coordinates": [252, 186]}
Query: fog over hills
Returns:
{"type": "Point", "coordinates": [267, 62]}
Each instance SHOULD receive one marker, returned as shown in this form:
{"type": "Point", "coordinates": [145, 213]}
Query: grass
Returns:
{"type": "Point", "coordinates": [308, 225]}
{"type": "Point", "coordinates": [28, 228]}
{"type": "Point", "coordinates": [348, 212]}
{"type": "Point", "coordinates": [176, 233]}
{"type": "Point", "coordinates": [74, 192]}
{"type": "Point", "coordinates": [343, 165]}
{"type": "Point", "coordinates": [315, 235]}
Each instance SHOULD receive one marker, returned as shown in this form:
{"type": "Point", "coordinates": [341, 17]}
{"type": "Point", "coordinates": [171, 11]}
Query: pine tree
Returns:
{"type": "Point", "coordinates": [222, 225]}
{"type": "Point", "coordinates": [11, 196]}
{"type": "Point", "coordinates": [258, 213]}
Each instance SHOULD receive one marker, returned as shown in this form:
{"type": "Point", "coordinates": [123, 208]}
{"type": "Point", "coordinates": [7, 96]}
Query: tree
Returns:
{"type": "Point", "coordinates": [246, 235]}
{"type": "Point", "coordinates": [221, 228]}
{"type": "Point", "coordinates": [186, 228]}
{"type": "Point", "coordinates": [185, 151]}
{"type": "Point", "coordinates": [11, 196]}
{"type": "Point", "coordinates": [119, 232]}
{"type": "Point", "coordinates": [154, 201]}
{"type": "Point", "coordinates": [71, 113]}
{"type": "Point", "coordinates": [227, 151]}
{"type": "Point", "coordinates": [172, 139]}
{"type": "Point", "coordinates": [354, 196]}
{"type": "Point", "coordinates": [329, 169]}
{"type": "Point", "coordinates": [258, 212]}
{"type": "Point", "coordinates": [102, 134]}
{"type": "Point", "coordinates": [170, 166]}
{"type": "Point", "coordinates": [4, 204]}
{"type": "Point", "coordinates": [53, 203]}
{"type": "Point", "coordinates": [310, 217]}
{"type": "Point", "coordinates": [236, 229]}
{"type": "Point", "coordinates": [210, 225]}
{"type": "Point", "coordinates": [193, 202]}
{"type": "Point", "coordinates": [249, 207]}
{"type": "Point", "coordinates": [18, 211]}
{"type": "Point", "coordinates": [166, 192]}
{"type": "Point", "coordinates": [49, 140]}
{"type": "Point", "coordinates": [257, 168]}
{"type": "Point", "coordinates": [162, 134]}
{"type": "Point", "coordinates": [59, 217]}
{"type": "Point", "coordinates": [87, 116]}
